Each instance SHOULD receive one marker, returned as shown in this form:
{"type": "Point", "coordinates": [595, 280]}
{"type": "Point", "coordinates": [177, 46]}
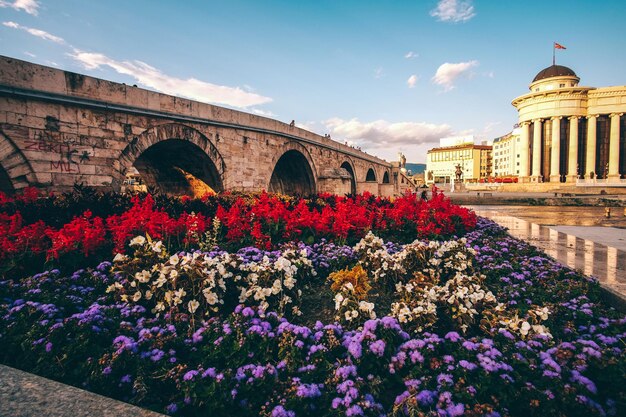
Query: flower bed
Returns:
{"type": "Point", "coordinates": [337, 325]}
{"type": "Point", "coordinates": [78, 230]}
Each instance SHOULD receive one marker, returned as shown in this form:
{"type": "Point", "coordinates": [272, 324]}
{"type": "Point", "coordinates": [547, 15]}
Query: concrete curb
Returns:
{"type": "Point", "coordinates": [27, 395]}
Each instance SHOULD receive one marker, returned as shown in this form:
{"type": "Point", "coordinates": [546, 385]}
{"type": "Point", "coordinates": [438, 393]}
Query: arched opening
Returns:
{"type": "Point", "coordinates": [386, 177]}
{"type": "Point", "coordinates": [6, 186]}
{"type": "Point", "coordinates": [177, 167]}
{"type": "Point", "coordinates": [370, 176]}
{"type": "Point", "coordinates": [292, 175]}
{"type": "Point", "coordinates": [346, 165]}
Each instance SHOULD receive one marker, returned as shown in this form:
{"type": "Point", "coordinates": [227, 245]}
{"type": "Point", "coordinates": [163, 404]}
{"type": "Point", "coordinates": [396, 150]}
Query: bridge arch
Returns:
{"type": "Point", "coordinates": [349, 166]}
{"type": "Point", "coordinates": [15, 170]}
{"type": "Point", "coordinates": [371, 175]}
{"type": "Point", "coordinates": [172, 158]}
{"type": "Point", "coordinates": [293, 171]}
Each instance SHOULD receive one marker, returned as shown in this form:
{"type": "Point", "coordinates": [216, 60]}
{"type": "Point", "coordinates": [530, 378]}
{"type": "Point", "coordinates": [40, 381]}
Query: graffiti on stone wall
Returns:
{"type": "Point", "coordinates": [69, 157]}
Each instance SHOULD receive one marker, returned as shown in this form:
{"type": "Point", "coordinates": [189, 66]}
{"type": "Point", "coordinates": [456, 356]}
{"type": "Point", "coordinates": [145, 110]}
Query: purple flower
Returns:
{"type": "Point", "coordinates": [453, 336]}
{"type": "Point", "coordinates": [106, 371]}
{"type": "Point", "coordinates": [171, 409]}
{"type": "Point", "coordinates": [190, 375]}
{"type": "Point", "coordinates": [308, 391]}
{"type": "Point", "coordinates": [455, 410]}
{"type": "Point", "coordinates": [354, 410]}
{"type": "Point", "coordinates": [378, 348]}
{"type": "Point", "coordinates": [49, 347]}
{"type": "Point", "coordinates": [125, 379]}
{"type": "Point", "coordinates": [467, 365]}
{"type": "Point", "coordinates": [355, 349]}
{"type": "Point", "coordinates": [279, 411]}
{"type": "Point", "coordinates": [425, 397]}
{"type": "Point", "coordinates": [346, 371]}
{"type": "Point", "coordinates": [248, 312]}
{"type": "Point", "coordinates": [444, 379]}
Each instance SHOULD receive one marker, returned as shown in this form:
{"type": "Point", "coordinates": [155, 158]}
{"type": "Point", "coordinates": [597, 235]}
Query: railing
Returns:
{"type": "Point", "coordinates": [600, 182]}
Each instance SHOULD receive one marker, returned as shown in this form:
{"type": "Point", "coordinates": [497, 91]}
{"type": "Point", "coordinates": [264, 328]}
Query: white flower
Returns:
{"type": "Point", "coordinates": [211, 297]}
{"type": "Point", "coordinates": [174, 260]}
{"type": "Point", "coordinates": [137, 296]}
{"type": "Point", "coordinates": [115, 286]}
{"type": "Point", "coordinates": [192, 306]}
{"type": "Point", "coordinates": [524, 328]}
{"type": "Point", "coordinates": [157, 246]}
{"type": "Point", "coordinates": [138, 241]}
{"type": "Point", "coordinates": [143, 276]}
{"type": "Point", "coordinates": [120, 258]}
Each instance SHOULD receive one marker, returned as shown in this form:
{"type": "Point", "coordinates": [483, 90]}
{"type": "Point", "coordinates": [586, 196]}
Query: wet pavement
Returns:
{"type": "Point", "coordinates": [575, 237]}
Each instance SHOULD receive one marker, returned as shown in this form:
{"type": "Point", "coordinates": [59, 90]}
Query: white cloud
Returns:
{"type": "Point", "coordinates": [153, 78]}
{"type": "Point", "coordinates": [447, 73]}
{"type": "Point", "coordinates": [383, 134]}
{"type": "Point", "coordinates": [453, 11]}
{"type": "Point", "coordinates": [264, 113]}
{"type": "Point", "coordinates": [30, 54]}
{"type": "Point", "coordinates": [308, 125]}
{"type": "Point", "coordinates": [36, 32]}
{"type": "Point", "coordinates": [412, 81]}
{"type": "Point", "coordinates": [410, 55]}
{"type": "Point", "coordinates": [29, 6]}
{"type": "Point", "coordinates": [379, 73]}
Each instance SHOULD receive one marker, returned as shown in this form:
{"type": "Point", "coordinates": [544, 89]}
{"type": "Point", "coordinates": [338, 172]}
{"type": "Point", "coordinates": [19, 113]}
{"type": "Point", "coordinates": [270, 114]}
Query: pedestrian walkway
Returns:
{"type": "Point", "coordinates": [595, 251]}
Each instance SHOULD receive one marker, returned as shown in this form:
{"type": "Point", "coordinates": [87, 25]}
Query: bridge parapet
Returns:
{"type": "Point", "coordinates": [64, 128]}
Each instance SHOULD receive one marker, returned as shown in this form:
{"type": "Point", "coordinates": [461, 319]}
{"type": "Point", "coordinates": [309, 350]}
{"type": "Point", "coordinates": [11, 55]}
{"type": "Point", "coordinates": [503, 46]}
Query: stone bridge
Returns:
{"type": "Point", "coordinates": [59, 128]}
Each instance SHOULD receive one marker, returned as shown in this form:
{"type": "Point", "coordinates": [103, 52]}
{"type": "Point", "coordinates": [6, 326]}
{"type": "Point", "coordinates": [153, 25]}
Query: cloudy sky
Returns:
{"type": "Point", "coordinates": [387, 76]}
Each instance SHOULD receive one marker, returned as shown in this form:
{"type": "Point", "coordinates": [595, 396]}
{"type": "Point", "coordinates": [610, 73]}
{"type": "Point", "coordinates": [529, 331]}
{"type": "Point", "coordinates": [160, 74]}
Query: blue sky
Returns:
{"type": "Point", "coordinates": [387, 76]}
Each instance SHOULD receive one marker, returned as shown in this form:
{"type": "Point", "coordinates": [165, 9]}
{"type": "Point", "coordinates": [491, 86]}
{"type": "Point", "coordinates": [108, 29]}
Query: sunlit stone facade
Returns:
{"type": "Point", "coordinates": [569, 132]}
{"type": "Point", "coordinates": [474, 161]}
{"type": "Point", "coordinates": [506, 155]}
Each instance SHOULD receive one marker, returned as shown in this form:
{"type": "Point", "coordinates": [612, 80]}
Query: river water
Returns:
{"type": "Point", "coordinates": [582, 238]}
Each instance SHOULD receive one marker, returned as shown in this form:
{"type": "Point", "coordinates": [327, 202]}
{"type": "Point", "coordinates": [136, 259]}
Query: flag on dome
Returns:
{"type": "Point", "coordinates": [558, 46]}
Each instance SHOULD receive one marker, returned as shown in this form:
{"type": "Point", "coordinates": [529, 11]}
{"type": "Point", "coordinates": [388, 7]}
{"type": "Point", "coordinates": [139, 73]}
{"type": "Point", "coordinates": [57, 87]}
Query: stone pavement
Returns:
{"type": "Point", "coordinates": [595, 251]}
{"type": "Point", "coordinates": [27, 395]}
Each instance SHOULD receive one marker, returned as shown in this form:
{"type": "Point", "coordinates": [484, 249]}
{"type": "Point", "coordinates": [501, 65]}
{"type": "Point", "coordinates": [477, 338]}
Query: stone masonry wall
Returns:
{"type": "Point", "coordinates": [59, 128]}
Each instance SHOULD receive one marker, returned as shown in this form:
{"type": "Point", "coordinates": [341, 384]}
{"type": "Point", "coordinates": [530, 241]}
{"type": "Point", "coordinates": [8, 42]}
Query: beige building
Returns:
{"type": "Point", "coordinates": [473, 160]}
{"type": "Point", "coordinates": [506, 155]}
{"type": "Point", "coordinates": [569, 132]}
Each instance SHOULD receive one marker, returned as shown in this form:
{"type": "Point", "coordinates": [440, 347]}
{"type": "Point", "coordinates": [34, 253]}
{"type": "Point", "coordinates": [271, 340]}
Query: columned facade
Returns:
{"type": "Point", "coordinates": [573, 169]}
{"type": "Point", "coordinates": [571, 133]}
{"type": "Point", "coordinates": [536, 175]}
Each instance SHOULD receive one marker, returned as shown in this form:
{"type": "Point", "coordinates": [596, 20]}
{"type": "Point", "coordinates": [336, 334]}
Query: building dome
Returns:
{"type": "Point", "coordinates": [554, 71]}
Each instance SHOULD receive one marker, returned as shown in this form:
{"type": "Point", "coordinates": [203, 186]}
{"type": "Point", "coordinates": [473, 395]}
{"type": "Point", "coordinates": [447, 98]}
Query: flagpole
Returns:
{"type": "Point", "coordinates": [553, 54]}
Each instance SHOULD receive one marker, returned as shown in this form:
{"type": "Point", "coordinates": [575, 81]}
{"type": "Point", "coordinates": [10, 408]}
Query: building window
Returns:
{"type": "Point", "coordinates": [561, 85]}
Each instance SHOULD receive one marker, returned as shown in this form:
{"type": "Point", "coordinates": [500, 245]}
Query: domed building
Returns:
{"type": "Point", "coordinates": [571, 133]}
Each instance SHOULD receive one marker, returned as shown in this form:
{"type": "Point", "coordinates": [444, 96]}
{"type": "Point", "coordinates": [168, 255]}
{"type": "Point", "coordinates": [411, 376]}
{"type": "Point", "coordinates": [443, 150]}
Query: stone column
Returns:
{"type": "Point", "coordinates": [572, 164]}
{"type": "Point", "coordinates": [555, 157]}
{"type": "Point", "coordinates": [590, 163]}
{"type": "Point", "coordinates": [536, 151]}
{"type": "Point", "coordinates": [523, 153]}
{"type": "Point", "coordinates": [614, 147]}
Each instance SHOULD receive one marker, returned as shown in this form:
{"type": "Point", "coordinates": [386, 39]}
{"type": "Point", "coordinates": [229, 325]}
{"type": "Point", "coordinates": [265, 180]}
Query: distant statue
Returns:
{"type": "Point", "coordinates": [293, 123]}
{"type": "Point", "coordinates": [458, 173]}
{"type": "Point", "coordinates": [430, 175]}
{"type": "Point", "coordinates": [402, 160]}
